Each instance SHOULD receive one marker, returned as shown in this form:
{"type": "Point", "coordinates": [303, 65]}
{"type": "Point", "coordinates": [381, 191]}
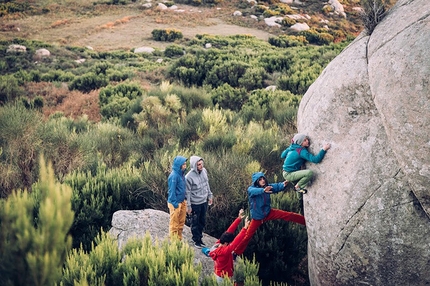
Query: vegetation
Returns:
{"type": "Point", "coordinates": [110, 125]}
{"type": "Point", "coordinates": [373, 12]}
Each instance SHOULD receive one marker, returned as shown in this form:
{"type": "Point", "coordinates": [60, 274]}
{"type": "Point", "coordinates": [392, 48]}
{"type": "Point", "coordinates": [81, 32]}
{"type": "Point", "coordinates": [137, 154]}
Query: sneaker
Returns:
{"type": "Point", "coordinates": [202, 243]}
{"type": "Point", "coordinates": [198, 245]}
{"type": "Point", "coordinates": [206, 251]}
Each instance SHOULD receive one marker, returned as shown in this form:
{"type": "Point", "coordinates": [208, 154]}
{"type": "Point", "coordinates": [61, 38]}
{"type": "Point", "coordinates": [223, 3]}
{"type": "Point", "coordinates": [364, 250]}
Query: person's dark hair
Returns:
{"type": "Point", "coordinates": [256, 183]}
{"type": "Point", "coordinates": [226, 237]}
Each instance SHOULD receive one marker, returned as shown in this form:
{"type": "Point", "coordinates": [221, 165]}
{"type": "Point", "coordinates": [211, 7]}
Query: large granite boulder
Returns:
{"type": "Point", "coordinates": [368, 209]}
{"type": "Point", "coordinates": [136, 223]}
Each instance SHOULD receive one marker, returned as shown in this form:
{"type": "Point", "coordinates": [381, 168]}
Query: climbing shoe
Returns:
{"type": "Point", "coordinates": [301, 191]}
{"type": "Point", "coordinates": [206, 251]}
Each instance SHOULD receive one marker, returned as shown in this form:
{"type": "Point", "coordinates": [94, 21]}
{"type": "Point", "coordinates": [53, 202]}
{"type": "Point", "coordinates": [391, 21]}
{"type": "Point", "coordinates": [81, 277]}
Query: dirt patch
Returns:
{"type": "Point", "coordinates": [123, 28]}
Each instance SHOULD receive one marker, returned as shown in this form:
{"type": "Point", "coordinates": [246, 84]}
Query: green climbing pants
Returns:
{"type": "Point", "coordinates": [302, 176]}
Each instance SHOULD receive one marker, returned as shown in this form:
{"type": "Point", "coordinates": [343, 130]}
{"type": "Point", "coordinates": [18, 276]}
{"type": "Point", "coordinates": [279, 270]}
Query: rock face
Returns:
{"type": "Point", "coordinates": [128, 224]}
{"type": "Point", "coordinates": [368, 209]}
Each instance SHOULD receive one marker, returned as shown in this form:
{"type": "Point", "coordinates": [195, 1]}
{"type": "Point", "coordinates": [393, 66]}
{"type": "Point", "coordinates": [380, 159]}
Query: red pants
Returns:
{"type": "Point", "coordinates": [273, 215]}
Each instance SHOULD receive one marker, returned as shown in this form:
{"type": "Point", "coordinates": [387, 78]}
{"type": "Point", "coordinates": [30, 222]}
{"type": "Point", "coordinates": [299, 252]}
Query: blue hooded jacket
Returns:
{"type": "Point", "coordinates": [259, 201]}
{"type": "Point", "coordinates": [176, 182]}
{"type": "Point", "coordinates": [296, 155]}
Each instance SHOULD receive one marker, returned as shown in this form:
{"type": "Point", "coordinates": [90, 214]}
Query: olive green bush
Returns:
{"type": "Point", "coordinates": [10, 89]}
{"type": "Point", "coordinates": [227, 97]}
{"type": "Point", "coordinates": [88, 82]}
{"type": "Point", "coordinates": [166, 35]}
{"type": "Point", "coordinates": [21, 143]}
{"type": "Point", "coordinates": [140, 262]}
{"type": "Point", "coordinates": [174, 50]}
{"type": "Point", "coordinates": [285, 41]}
{"type": "Point", "coordinates": [35, 235]}
{"type": "Point", "coordinates": [117, 100]}
{"type": "Point", "coordinates": [97, 196]}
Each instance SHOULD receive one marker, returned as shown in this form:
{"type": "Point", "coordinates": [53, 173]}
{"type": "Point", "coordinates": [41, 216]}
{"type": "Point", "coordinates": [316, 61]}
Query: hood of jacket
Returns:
{"type": "Point", "coordinates": [193, 162]}
{"type": "Point", "coordinates": [177, 163]}
{"type": "Point", "coordinates": [256, 176]}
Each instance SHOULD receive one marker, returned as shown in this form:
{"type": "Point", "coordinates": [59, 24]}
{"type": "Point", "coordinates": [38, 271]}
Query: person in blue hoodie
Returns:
{"type": "Point", "coordinates": [260, 206]}
{"type": "Point", "coordinates": [176, 199]}
{"type": "Point", "coordinates": [295, 157]}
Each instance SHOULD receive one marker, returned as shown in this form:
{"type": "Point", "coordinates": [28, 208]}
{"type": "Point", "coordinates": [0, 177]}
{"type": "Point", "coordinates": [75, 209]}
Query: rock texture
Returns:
{"type": "Point", "coordinates": [128, 224]}
{"type": "Point", "coordinates": [368, 209]}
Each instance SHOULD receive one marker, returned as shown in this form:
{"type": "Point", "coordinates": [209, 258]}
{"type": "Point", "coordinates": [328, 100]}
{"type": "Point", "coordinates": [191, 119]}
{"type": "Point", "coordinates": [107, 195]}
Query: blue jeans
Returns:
{"type": "Point", "coordinates": [198, 221]}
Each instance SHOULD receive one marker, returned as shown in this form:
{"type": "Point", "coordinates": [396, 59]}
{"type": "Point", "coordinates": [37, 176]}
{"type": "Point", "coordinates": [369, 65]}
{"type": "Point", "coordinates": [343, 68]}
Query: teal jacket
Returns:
{"type": "Point", "coordinates": [176, 182]}
{"type": "Point", "coordinates": [259, 201]}
{"type": "Point", "coordinates": [296, 155]}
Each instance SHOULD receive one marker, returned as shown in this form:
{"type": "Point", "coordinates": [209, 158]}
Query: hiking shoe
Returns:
{"type": "Point", "coordinates": [206, 251]}
{"type": "Point", "coordinates": [198, 245]}
{"type": "Point", "coordinates": [301, 191]}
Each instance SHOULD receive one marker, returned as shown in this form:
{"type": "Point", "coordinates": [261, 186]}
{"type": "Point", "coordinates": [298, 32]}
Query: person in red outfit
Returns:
{"type": "Point", "coordinates": [259, 200]}
{"type": "Point", "coordinates": [221, 252]}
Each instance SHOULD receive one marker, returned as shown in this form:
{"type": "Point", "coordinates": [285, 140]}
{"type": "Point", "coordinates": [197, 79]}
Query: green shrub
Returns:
{"type": "Point", "coordinates": [35, 232]}
{"type": "Point", "coordinates": [96, 197]}
{"type": "Point", "coordinates": [226, 72]}
{"type": "Point", "coordinates": [253, 78]}
{"type": "Point", "coordinates": [318, 38]}
{"type": "Point", "coordinates": [288, 22]}
{"type": "Point", "coordinates": [286, 41]}
{"type": "Point", "coordinates": [89, 82]}
{"type": "Point", "coordinates": [144, 263]}
{"type": "Point", "coordinates": [174, 51]}
{"type": "Point", "coordinates": [228, 97]}
{"type": "Point", "coordinates": [21, 145]}
{"type": "Point", "coordinates": [166, 35]}
{"type": "Point", "coordinates": [57, 75]}
{"type": "Point", "coordinates": [9, 89]}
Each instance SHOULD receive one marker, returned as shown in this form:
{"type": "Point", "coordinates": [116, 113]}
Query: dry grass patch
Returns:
{"type": "Point", "coordinates": [72, 104]}
{"type": "Point", "coordinates": [59, 23]}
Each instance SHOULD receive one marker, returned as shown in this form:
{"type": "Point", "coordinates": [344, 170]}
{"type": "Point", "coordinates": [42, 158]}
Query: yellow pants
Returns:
{"type": "Point", "coordinates": [177, 219]}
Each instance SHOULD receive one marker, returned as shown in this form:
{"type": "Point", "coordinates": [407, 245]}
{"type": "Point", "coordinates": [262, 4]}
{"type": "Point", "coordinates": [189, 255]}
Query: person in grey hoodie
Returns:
{"type": "Point", "coordinates": [199, 195]}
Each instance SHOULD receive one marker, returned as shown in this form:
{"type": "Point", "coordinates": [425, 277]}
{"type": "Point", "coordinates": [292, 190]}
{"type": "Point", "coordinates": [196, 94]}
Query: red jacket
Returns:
{"type": "Point", "coordinates": [223, 256]}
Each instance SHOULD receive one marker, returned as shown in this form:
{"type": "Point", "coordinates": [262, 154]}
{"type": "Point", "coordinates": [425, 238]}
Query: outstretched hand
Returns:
{"type": "Point", "coordinates": [268, 189]}
{"type": "Point", "coordinates": [326, 146]}
{"type": "Point", "coordinates": [241, 214]}
{"type": "Point", "coordinates": [246, 222]}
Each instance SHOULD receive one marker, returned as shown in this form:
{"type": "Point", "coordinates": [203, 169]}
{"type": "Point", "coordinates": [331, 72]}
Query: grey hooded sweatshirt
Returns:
{"type": "Point", "coordinates": [198, 190]}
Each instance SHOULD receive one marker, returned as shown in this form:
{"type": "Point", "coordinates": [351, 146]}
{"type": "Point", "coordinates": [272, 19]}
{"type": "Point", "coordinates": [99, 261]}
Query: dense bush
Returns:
{"type": "Point", "coordinates": [166, 35]}
{"type": "Point", "coordinates": [316, 37]}
{"type": "Point", "coordinates": [89, 82]}
{"type": "Point", "coordinates": [285, 41]}
{"type": "Point", "coordinates": [96, 197]}
{"type": "Point", "coordinates": [174, 51]}
{"type": "Point", "coordinates": [228, 97]}
{"type": "Point", "coordinates": [9, 89]}
{"type": "Point", "coordinates": [20, 144]}
{"type": "Point", "coordinates": [117, 100]}
{"type": "Point", "coordinates": [35, 234]}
